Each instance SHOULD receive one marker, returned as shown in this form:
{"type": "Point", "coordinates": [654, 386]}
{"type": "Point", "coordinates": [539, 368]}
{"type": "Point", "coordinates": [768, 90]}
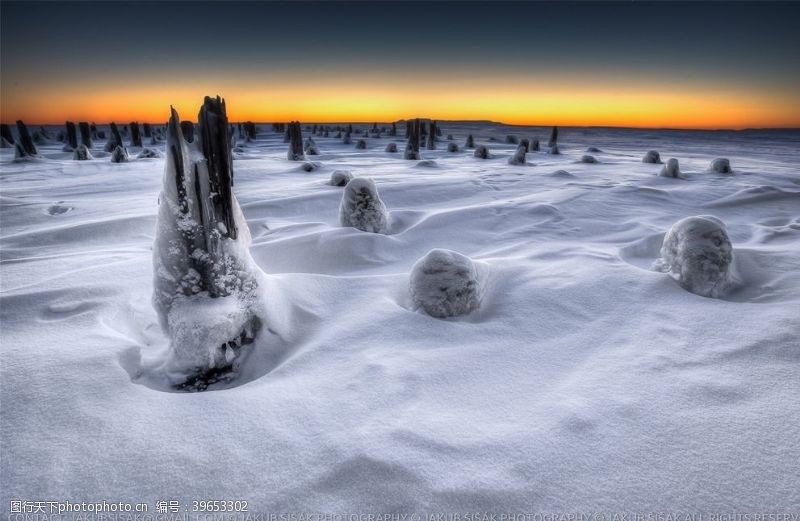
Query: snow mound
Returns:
{"type": "Point", "coordinates": [698, 253]}
{"type": "Point", "coordinates": [452, 147]}
{"type": "Point", "coordinates": [82, 153]}
{"type": "Point", "coordinates": [594, 150]}
{"type": "Point", "coordinates": [391, 147]}
{"type": "Point", "coordinates": [340, 178]}
{"type": "Point", "coordinates": [721, 166]}
{"type": "Point", "coordinates": [653, 157]}
{"type": "Point", "coordinates": [445, 283]}
{"type": "Point", "coordinates": [671, 169]}
{"type": "Point", "coordinates": [362, 208]}
{"type": "Point", "coordinates": [361, 144]}
{"type": "Point", "coordinates": [588, 159]}
{"type": "Point", "coordinates": [310, 166]}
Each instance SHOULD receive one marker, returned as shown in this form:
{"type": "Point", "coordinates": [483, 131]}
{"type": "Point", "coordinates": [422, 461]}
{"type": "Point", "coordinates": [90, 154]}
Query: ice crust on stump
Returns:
{"type": "Point", "coordinates": [86, 133]}
{"type": "Point", "coordinates": [25, 144]}
{"type": "Point", "coordinates": [119, 155]}
{"type": "Point", "coordinates": [71, 136]}
{"type": "Point", "coordinates": [340, 178]}
{"type": "Point", "coordinates": [136, 136]}
{"type": "Point", "coordinates": [82, 153]}
{"type": "Point", "coordinates": [452, 147]}
{"type": "Point", "coordinates": [721, 166]}
{"type": "Point", "coordinates": [362, 208]}
{"type": "Point", "coordinates": [414, 129]}
{"type": "Point", "coordinates": [519, 156]}
{"type": "Point", "coordinates": [671, 169]}
{"type": "Point", "coordinates": [698, 253]}
{"type": "Point", "coordinates": [295, 142]}
{"type": "Point", "coordinates": [5, 136]}
{"type": "Point", "coordinates": [205, 281]}
{"type": "Point", "coordinates": [311, 147]}
{"type": "Point", "coordinates": [652, 157]}
{"type": "Point", "coordinates": [391, 147]}
{"type": "Point", "coordinates": [445, 283]}
{"type": "Point", "coordinates": [481, 152]}
{"type": "Point", "coordinates": [470, 143]}
{"type": "Point", "coordinates": [114, 139]}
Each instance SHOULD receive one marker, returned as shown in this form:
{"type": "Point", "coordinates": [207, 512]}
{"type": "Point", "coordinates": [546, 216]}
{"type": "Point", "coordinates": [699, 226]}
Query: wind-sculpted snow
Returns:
{"type": "Point", "coordinates": [445, 283]}
{"type": "Point", "coordinates": [698, 253]}
{"type": "Point", "coordinates": [585, 380]}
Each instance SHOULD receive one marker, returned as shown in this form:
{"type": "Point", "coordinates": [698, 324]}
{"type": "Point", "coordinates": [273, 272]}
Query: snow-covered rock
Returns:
{"type": "Point", "coordinates": [698, 253]}
{"type": "Point", "coordinates": [721, 166]}
{"type": "Point", "coordinates": [652, 156]}
{"type": "Point", "coordinates": [444, 283]}
{"type": "Point", "coordinates": [671, 169]}
{"type": "Point", "coordinates": [340, 178]}
{"type": "Point", "coordinates": [362, 208]}
{"type": "Point", "coordinates": [82, 153]}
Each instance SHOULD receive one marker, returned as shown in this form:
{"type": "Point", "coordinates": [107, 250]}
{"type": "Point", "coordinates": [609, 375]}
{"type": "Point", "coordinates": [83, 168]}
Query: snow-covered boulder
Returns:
{"type": "Point", "coordinates": [698, 253]}
{"type": "Point", "coordinates": [82, 153]}
{"type": "Point", "coordinates": [205, 282]}
{"type": "Point", "coordinates": [340, 178]}
{"type": "Point", "coordinates": [519, 156]}
{"type": "Point", "coordinates": [119, 155]}
{"type": "Point", "coordinates": [391, 147]}
{"type": "Point", "coordinates": [445, 283]}
{"type": "Point", "coordinates": [362, 208]}
{"type": "Point", "coordinates": [149, 153]}
{"type": "Point", "coordinates": [452, 147]}
{"type": "Point", "coordinates": [588, 159]}
{"type": "Point", "coordinates": [671, 169]}
{"type": "Point", "coordinates": [653, 157]}
{"type": "Point", "coordinates": [721, 166]}
{"type": "Point", "coordinates": [481, 152]}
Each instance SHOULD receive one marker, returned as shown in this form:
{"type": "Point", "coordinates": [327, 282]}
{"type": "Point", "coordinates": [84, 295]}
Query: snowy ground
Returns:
{"type": "Point", "coordinates": [584, 381]}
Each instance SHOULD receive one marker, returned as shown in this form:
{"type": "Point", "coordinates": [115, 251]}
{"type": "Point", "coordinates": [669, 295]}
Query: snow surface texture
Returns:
{"type": "Point", "coordinates": [698, 253]}
{"type": "Point", "coordinates": [445, 284]}
{"type": "Point", "coordinates": [585, 380]}
{"type": "Point", "coordinates": [362, 208]}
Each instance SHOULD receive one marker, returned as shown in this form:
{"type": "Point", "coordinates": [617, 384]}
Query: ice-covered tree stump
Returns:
{"type": "Point", "coordinates": [340, 178]}
{"type": "Point", "coordinates": [148, 130]}
{"type": "Point", "coordinates": [481, 152]}
{"type": "Point", "coordinates": [432, 137]}
{"type": "Point", "coordinates": [534, 146]}
{"type": "Point", "coordinates": [82, 153]}
{"type": "Point", "coordinates": [393, 130]}
{"type": "Point", "coordinates": [119, 155]}
{"type": "Point", "coordinates": [588, 159]}
{"type": "Point", "coordinates": [391, 147]}
{"type": "Point", "coordinates": [470, 143]}
{"type": "Point", "coordinates": [5, 136]}
{"type": "Point", "coordinates": [512, 139]}
{"type": "Point", "coordinates": [652, 157]}
{"type": "Point", "coordinates": [25, 144]}
{"type": "Point", "coordinates": [136, 136]}
{"type": "Point", "coordinates": [553, 138]}
{"type": "Point", "coordinates": [519, 156]}
{"type": "Point", "coordinates": [671, 169]}
{"type": "Point", "coordinates": [445, 283]}
{"type": "Point", "coordinates": [114, 139]}
{"type": "Point", "coordinates": [311, 147]}
{"type": "Point", "coordinates": [698, 253]}
{"type": "Point", "coordinates": [295, 142]}
{"type": "Point", "coordinates": [361, 144]}
{"type": "Point", "coordinates": [721, 166]}
{"type": "Point", "coordinates": [452, 147]}
{"type": "Point", "coordinates": [71, 136]}
{"type": "Point", "coordinates": [205, 280]}
{"type": "Point", "coordinates": [86, 133]}
{"type": "Point", "coordinates": [362, 208]}
{"type": "Point", "coordinates": [412, 145]}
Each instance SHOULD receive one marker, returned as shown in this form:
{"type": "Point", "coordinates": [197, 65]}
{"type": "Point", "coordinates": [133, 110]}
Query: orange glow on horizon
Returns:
{"type": "Point", "coordinates": [515, 101]}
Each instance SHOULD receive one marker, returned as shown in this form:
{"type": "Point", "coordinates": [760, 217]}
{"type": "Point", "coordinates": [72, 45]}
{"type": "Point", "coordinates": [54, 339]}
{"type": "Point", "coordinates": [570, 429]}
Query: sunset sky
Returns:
{"type": "Point", "coordinates": [680, 65]}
